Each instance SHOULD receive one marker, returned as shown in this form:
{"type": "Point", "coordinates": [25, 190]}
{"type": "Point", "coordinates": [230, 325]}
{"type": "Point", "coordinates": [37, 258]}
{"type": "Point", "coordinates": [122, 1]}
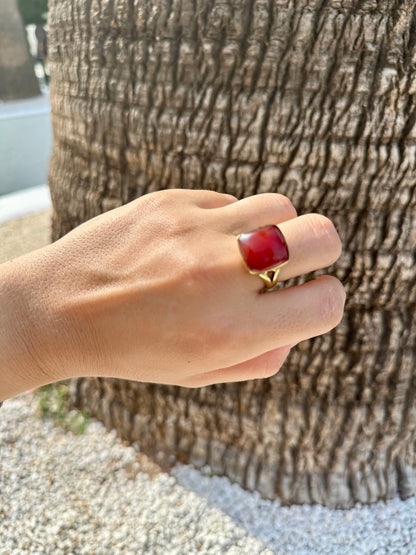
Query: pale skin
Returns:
{"type": "Point", "coordinates": [156, 291]}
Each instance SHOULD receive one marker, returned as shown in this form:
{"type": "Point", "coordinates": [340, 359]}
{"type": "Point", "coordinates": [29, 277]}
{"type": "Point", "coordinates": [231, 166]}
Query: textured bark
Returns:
{"type": "Point", "coordinates": [17, 76]}
{"type": "Point", "coordinates": [316, 100]}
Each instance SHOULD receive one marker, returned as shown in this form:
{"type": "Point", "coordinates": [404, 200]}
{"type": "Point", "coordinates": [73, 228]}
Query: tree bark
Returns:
{"type": "Point", "coordinates": [17, 76]}
{"type": "Point", "coordinates": [315, 100]}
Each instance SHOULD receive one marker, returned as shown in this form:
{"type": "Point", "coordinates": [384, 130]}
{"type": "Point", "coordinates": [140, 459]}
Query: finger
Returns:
{"type": "Point", "coordinates": [287, 316]}
{"type": "Point", "coordinates": [263, 366]}
{"type": "Point", "coordinates": [257, 211]}
{"type": "Point", "coordinates": [313, 243]}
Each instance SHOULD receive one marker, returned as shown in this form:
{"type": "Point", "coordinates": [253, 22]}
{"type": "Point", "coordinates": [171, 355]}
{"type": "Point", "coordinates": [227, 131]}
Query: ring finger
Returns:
{"type": "Point", "coordinates": [313, 243]}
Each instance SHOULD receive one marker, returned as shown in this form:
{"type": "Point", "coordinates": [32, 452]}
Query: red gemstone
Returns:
{"type": "Point", "coordinates": [263, 248]}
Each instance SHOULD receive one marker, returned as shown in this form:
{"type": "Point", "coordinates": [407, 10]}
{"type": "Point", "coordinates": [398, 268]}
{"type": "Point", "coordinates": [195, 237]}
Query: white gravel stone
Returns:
{"type": "Point", "coordinates": [88, 494]}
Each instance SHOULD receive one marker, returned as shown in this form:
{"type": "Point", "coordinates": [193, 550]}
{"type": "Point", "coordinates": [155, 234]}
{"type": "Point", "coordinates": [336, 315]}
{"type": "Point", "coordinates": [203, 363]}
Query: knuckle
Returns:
{"type": "Point", "coordinates": [231, 199]}
{"type": "Point", "coordinates": [321, 225]}
{"type": "Point", "coordinates": [334, 301]}
{"type": "Point", "coordinates": [281, 201]}
{"type": "Point", "coordinates": [274, 361]}
{"type": "Point", "coordinates": [324, 229]}
{"type": "Point", "coordinates": [270, 369]}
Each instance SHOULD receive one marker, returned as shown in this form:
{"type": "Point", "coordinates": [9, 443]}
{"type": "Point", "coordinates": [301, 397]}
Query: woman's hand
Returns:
{"type": "Point", "coordinates": [156, 291]}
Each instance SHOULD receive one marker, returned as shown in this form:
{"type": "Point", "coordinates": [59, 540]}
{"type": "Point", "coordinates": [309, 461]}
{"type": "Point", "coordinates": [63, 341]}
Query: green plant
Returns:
{"type": "Point", "coordinates": [53, 402]}
{"type": "Point", "coordinates": [33, 11]}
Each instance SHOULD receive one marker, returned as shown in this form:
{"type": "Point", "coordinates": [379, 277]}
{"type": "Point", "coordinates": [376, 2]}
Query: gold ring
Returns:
{"type": "Point", "coordinates": [264, 252]}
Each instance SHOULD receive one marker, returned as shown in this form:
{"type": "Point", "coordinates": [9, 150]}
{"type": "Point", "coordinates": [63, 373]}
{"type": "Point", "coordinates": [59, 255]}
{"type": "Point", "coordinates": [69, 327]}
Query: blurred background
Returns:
{"type": "Point", "coordinates": [25, 126]}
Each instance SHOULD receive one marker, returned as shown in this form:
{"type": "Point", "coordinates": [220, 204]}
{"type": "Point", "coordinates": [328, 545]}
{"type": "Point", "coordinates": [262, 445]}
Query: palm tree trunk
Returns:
{"type": "Point", "coordinates": [17, 76]}
{"type": "Point", "coordinates": [315, 100]}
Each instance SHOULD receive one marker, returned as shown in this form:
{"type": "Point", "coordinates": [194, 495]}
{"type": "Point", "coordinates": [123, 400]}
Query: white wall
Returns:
{"type": "Point", "coordinates": [25, 143]}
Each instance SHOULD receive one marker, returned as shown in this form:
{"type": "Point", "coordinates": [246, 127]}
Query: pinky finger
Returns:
{"type": "Point", "coordinates": [263, 366]}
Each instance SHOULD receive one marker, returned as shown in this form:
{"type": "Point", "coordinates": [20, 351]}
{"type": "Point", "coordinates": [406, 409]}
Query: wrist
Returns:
{"type": "Point", "coordinates": [27, 327]}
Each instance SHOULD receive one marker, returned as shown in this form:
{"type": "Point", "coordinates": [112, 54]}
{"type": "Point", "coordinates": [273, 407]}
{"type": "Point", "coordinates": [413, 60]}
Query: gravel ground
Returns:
{"type": "Point", "coordinates": [90, 494]}
{"type": "Point", "coordinates": [62, 493]}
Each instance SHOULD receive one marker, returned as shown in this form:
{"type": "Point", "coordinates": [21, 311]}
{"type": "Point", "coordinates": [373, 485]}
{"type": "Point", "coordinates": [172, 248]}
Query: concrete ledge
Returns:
{"type": "Point", "coordinates": [17, 205]}
{"type": "Point", "coordinates": [22, 108]}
